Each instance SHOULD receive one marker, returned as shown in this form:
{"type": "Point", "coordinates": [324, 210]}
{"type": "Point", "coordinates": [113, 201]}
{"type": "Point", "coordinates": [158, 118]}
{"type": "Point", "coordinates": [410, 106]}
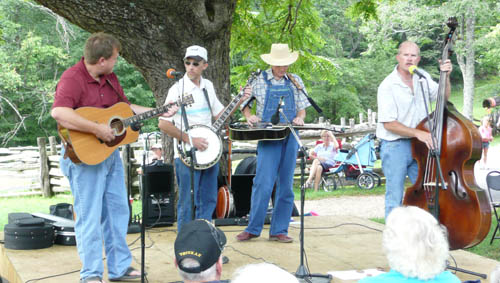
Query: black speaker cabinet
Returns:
{"type": "Point", "coordinates": [158, 183]}
{"type": "Point", "coordinates": [241, 187]}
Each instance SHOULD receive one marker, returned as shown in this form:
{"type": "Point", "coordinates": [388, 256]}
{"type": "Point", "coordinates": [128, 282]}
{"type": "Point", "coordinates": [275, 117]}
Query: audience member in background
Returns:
{"type": "Point", "coordinates": [262, 273]}
{"type": "Point", "coordinates": [157, 153]}
{"type": "Point", "coordinates": [323, 156]}
{"type": "Point", "coordinates": [198, 252]}
{"type": "Point", "coordinates": [486, 136]}
{"type": "Point", "coordinates": [416, 247]}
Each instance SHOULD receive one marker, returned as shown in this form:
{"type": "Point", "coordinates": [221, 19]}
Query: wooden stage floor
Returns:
{"type": "Point", "coordinates": [332, 243]}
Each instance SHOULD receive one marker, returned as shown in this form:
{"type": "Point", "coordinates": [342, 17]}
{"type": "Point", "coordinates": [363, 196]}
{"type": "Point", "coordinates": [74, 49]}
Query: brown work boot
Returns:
{"type": "Point", "coordinates": [245, 236]}
{"type": "Point", "coordinates": [282, 238]}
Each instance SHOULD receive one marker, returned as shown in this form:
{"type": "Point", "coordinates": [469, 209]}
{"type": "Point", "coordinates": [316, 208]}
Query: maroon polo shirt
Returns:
{"type": "Point", "coordinates": [77, 88]}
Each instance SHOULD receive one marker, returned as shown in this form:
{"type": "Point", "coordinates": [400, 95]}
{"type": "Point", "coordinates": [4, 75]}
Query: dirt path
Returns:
{"type": "Point", "coordinates": [365, 207]}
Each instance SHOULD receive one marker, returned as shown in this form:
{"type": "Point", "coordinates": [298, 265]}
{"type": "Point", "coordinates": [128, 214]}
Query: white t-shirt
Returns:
{"type": "Point", "coordinates": [198, 112]}
{"type": "Point", "coordinates": [397, 102]}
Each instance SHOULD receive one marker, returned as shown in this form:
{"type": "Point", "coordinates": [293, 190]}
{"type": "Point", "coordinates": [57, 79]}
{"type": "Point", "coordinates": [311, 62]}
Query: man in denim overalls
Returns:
{"type": "Point", "coordinates": [276, 158]}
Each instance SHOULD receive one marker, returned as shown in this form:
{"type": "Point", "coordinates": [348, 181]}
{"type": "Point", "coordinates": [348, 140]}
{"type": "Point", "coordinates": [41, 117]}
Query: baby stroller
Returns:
{"type": "Point", "coordinates": [354, 164]}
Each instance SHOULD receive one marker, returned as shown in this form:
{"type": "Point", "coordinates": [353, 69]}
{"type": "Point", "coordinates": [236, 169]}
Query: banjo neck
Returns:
{"type": "Point", "coordinates": [231, 107]}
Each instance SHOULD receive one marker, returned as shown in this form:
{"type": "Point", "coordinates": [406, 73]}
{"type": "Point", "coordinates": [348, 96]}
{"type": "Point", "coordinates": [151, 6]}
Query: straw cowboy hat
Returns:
{"type": "Point", "coordinates": [280, 55]}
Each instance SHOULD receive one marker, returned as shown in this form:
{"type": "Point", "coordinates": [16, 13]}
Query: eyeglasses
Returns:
{"type": "Point", "coordinates": [196, 64]}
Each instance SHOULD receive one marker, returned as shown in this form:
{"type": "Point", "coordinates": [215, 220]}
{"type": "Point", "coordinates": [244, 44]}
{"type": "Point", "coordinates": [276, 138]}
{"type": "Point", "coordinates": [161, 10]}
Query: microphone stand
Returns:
{"type": "Point", "coordinates": [192, 150]}
{"type": "Point", "coordinates": [302, 271]}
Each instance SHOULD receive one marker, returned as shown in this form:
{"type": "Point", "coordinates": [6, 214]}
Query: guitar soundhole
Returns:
{"type": "Point", "coordinates": [117, 126]}
{"type": "Point", "coordinates": [120, 131]}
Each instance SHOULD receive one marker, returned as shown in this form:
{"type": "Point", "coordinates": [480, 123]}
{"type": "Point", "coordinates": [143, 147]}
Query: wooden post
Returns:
{"type": "Point", "coordinates": [321, 120]}
{"type": "Point", "coordinates": [369, 117]}
{"type": "Point", "coordinates": [53, 145]}
{"type": "Point", "coordinates": [360, 118]}
{"type": "Point", "coordinates": [351, 123]}
{"type": "Point", "coordinates": [342, 122]}
{"type": "Point", "coordinates": [374, 117]}
{"type": "Point", "coordinates": [44, 168]}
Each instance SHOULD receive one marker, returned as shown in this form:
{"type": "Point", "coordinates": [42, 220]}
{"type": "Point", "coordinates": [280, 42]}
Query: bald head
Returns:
{"type": "Point", "coordinates": [408, 44]}
{"type": "Point", "coordinates": [408, 55]}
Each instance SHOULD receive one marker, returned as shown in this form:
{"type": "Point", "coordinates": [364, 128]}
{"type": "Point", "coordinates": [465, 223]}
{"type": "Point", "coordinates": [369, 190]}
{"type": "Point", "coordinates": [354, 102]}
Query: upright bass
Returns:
{"type": "Point", "coordinates": [445, 184]}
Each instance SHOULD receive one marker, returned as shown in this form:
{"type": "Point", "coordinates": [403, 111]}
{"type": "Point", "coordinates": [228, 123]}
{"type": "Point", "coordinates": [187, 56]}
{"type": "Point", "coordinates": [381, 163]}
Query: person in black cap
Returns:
{"type": "Point", "coordinates": [198, 252]}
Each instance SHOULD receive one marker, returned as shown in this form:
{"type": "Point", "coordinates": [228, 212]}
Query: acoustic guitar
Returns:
{"type": "Point", "coordinates": [82, 147]}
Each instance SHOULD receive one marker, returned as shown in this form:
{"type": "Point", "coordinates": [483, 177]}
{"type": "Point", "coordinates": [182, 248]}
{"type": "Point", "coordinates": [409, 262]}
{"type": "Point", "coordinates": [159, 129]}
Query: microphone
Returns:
{"type": "Point", "coordinates": [414, 70]}
{"type": "Point", "coordinates": [275, 119]}
{"type": "Point", "coordinates": [172, 73]}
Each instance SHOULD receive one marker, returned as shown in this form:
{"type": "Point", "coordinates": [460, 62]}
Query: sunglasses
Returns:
{"type": "Point", "coordinates": [196, 64]}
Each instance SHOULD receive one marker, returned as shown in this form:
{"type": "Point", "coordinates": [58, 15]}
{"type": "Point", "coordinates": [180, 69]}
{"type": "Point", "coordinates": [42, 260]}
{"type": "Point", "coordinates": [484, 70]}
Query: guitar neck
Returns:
{"type": "Point", "coordinates": [146, 115]}
{"type": "Point", "coordinates": [227, 112]}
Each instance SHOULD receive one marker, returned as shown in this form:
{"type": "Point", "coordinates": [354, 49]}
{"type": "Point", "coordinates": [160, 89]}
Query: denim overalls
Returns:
{"type": "Point", "coordinates": [275, 164]}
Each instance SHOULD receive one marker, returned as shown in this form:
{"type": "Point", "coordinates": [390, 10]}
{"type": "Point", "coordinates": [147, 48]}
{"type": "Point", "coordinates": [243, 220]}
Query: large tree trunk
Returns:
{"type": "Point", "coordinates": [155, 34]}
{"type": "Point", "coordinates": [466, 62]}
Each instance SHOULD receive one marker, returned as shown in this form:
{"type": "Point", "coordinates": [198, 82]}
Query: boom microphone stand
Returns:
{"type": "Point", "coordinates": [302, 271]}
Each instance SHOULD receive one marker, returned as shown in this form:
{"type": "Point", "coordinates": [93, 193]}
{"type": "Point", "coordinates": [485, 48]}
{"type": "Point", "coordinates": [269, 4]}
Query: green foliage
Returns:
{"type": "Point", "coordinates": [29, 63]}
{"type": "Point", "coordinates": [293, 22]}
{"type": "Point", "coordinates": [35, 48]}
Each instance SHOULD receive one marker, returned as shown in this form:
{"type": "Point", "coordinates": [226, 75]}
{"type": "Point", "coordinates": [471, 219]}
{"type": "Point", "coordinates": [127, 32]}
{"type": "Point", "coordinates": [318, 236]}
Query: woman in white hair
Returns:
{"type": "Point", "coordinates": [495, 275]}
{"type": "Point", "coordinates": [262, 273]}
{"type": "Point", "coordinates": [416, 247]}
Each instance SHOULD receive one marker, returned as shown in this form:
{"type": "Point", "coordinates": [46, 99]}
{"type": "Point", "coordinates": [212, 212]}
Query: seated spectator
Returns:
{"type": "Point", "coordinates": [198, 252]}
{"type": "Point", "coordinates": [157, 153]}
{"type": "Point", "coordinates": [323, 156]}
{"type": "Point", "coordinates": [262, 273]}
{"type": "Point", "coordinates": [416, 247]}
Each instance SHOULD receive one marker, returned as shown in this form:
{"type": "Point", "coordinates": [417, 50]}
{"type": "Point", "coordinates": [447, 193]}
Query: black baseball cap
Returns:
{"type": "Point", "coordinates": [201, 241]}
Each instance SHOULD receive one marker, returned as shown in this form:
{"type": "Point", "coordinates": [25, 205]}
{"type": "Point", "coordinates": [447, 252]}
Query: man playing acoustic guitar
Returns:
{"type": "Point", "coordinates": [100, 196]}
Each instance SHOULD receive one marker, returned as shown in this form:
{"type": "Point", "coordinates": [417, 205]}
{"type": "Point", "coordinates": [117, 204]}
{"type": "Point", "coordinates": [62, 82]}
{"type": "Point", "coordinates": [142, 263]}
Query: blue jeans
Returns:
{"type": "Point", "coordinates": [275, 163]}
{"type": "Point", "coordinates": [102, 215]}
{"type": "Point", "coordinates": [397, 163]}
{"type": "Point", "coordinates": [205, 192]}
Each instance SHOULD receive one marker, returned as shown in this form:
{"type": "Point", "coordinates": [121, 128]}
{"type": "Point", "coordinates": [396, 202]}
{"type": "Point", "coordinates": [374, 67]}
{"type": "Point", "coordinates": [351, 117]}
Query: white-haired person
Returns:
{"type": "Point", "coordinates": [323, 156]}
{"type": "Point", "coordinates": [416, 247]}
{"type": "Point", "coordinates": [495, 275]}
{"type": "Point", "coordinates": [262, 273]}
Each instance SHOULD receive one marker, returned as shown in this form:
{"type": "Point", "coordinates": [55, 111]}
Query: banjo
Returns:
{"type": "Point", "coordinates": [210, 156]}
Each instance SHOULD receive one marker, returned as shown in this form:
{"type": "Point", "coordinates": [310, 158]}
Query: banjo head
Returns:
{"type": "Point", "coordinates": [210, 156]}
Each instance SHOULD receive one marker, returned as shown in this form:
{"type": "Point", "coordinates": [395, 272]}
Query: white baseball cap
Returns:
{"type": "Point", "coordinates": [156, 145]}
{"type": "Point", "coordinates": [196, 51]}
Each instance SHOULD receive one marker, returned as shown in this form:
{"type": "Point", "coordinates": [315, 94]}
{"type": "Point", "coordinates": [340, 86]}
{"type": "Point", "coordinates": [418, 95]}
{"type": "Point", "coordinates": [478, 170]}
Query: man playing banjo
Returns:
{"type": "Point", "coordinates": [203, 135]}
{"type": "Point", "coordinates": [200, 112]}
{"type": "Point", "coordinates": [276, 159]}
